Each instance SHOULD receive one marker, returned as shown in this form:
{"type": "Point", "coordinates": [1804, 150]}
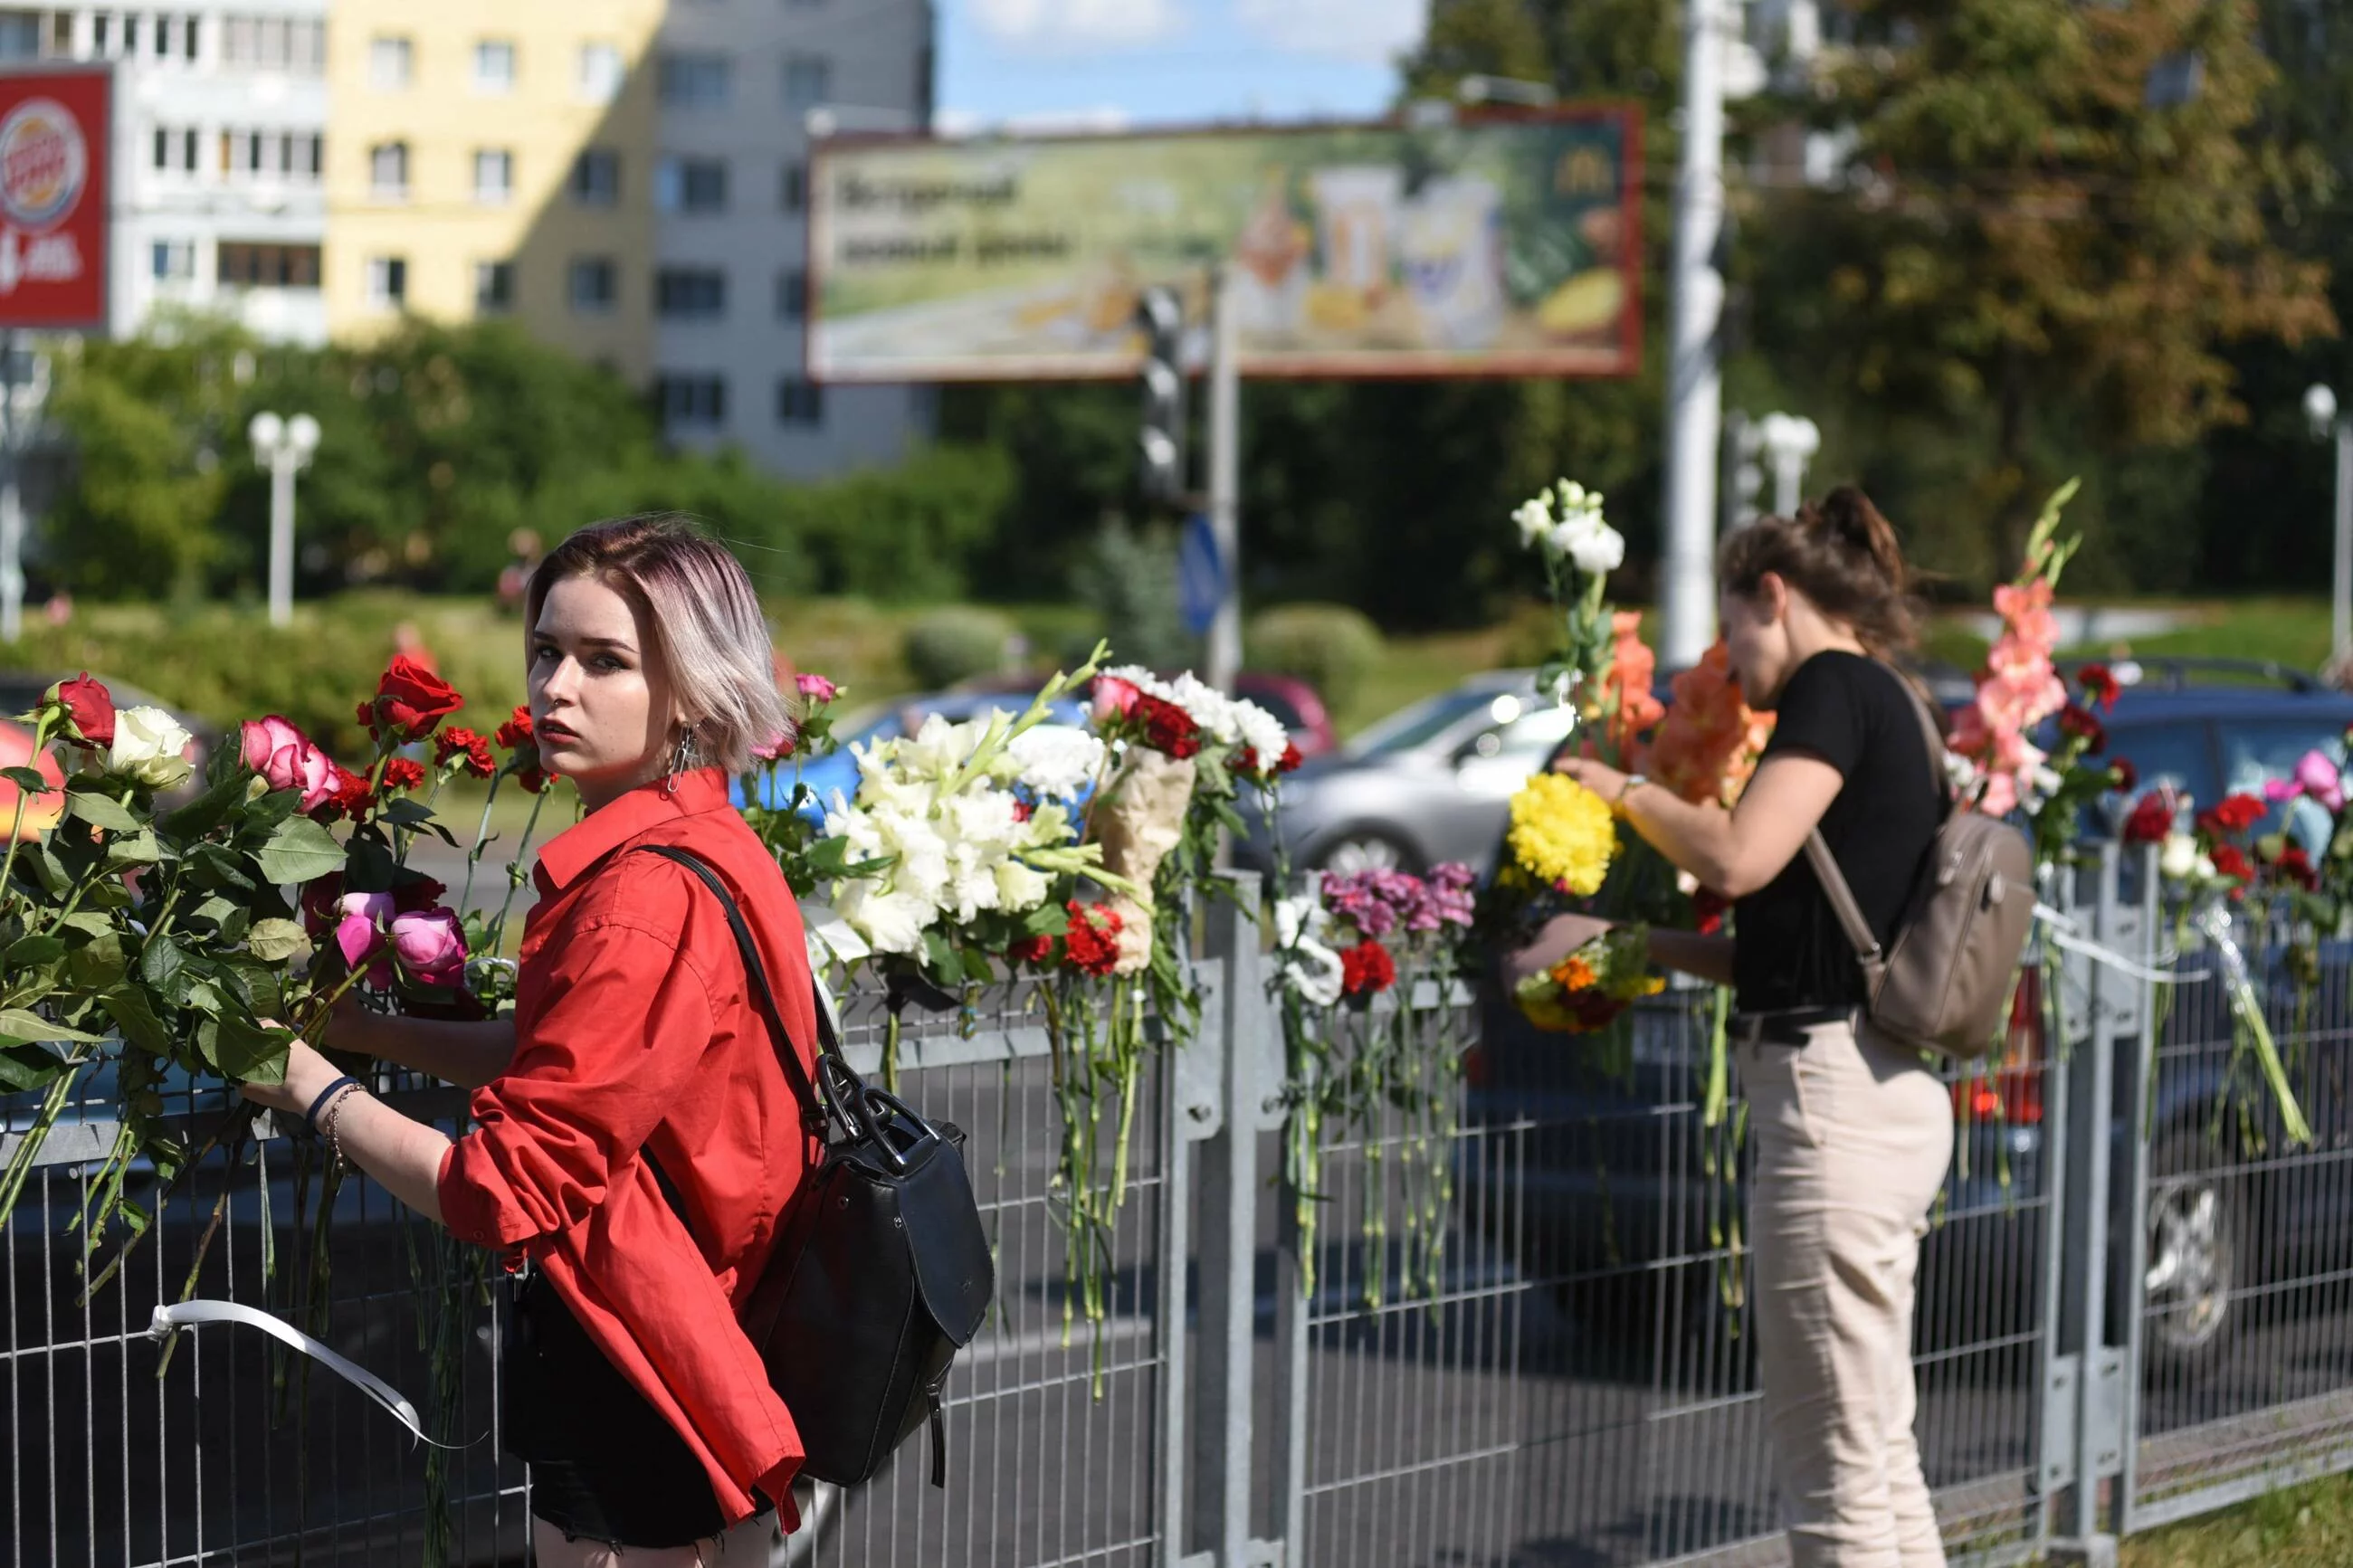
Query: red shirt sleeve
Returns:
{"type": "Point", "coordinates": [620, 1029]}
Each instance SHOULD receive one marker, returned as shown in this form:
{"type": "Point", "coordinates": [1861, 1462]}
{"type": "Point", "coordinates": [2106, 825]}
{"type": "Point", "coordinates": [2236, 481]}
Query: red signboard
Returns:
{"type": "Point", "coordinates": [55, 138]}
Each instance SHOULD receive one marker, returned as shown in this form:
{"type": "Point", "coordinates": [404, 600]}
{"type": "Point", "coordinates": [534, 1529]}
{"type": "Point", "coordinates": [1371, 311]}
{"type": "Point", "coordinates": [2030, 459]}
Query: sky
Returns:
{"type": "Point", "coordinates": [1109, 64]}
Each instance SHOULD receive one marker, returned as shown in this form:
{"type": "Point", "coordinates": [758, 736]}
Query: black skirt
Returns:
{"type": "Point", "coordinates": [605, 1465]}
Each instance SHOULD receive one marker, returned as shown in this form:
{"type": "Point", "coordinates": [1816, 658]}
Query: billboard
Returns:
{"type": "Point", "coordinates": [1493, 247]}
{"type": "Point", "coordinates": [55, 142]}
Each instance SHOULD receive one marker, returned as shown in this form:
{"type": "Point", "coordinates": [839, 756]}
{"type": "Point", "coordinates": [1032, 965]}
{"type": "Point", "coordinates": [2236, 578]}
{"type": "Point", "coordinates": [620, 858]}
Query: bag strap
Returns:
{"type": "Point", "coordinates": [1833, 881]}
{"type": "Point", "coordinates": [805, 1090]}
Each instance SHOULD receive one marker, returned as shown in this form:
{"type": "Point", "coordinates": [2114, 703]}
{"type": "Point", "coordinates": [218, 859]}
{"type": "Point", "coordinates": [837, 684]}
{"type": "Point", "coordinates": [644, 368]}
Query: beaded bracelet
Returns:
{"type": "Point", "coordinates": [334, 1112]}
{"type": "Point", "coordinates": [311, 1116]}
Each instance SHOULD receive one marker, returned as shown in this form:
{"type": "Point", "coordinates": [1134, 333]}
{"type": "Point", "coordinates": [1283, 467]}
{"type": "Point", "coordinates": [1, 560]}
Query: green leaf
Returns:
{"type": "Point", "coordinates": [139, 848]}
{"type": "Point", "coordinates": [975, 967]}
{"type": "Point", "coordinates": [89, 922]}
{"type": "Point", "coordinates": [22, 1024]}
{"type": "Point", "coordinates": [54, 879]}
{"type": "Point", "coordinates": [93, 805]}
{"type": "Point", "coordinates": [241, 1049]}
{"type": "Point", "coordinates": [135, 1016]}
{"type": "Point", "coordinates": [217, 866]}
{"type": "Point", "coordinates": [299, 850]}
{"type": "Point", "coordinates": [30, 780]}
{"type": "Point", "coordinates": [28, 951]}
{"type": "Point", "coordinates": [23, 1067]}
{"type": "Point", "coordinates": [277, 940]}
{"type": "Point", "coordinates": [1047, 918]}
{"type": "Point", "coordinates": [99, 962]}
{"type": "Point", "coordinates": [214, 911]}
{"type": "Point", "coordinates": [162, 961]}
{"type": "Point", "coordinates": [940, 958]}
{"type": "Point", "coordinates": [208, 810]}
{"type": "Point", "coordinates": [403, 812]}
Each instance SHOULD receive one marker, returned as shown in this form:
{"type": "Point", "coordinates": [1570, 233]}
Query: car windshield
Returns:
{"type": "Point", "coordinates": [1421, 722]}
{"type": "Point", "coordinates": [2253, 754]}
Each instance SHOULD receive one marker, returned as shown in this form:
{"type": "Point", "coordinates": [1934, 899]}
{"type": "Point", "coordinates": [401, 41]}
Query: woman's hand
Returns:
{"type": "Point", "coordinates": [307, 1073]}
{"type": "Point", "coordinates": [1602, 779]}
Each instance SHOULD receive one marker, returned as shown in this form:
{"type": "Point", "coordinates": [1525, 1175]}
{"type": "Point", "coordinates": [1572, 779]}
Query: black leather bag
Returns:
{"type": "Point", "coordinates": [881, 1270]}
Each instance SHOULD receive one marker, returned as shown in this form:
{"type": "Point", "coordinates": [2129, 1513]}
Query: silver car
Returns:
{"type": "Point", "coordinates": [1432, 781]}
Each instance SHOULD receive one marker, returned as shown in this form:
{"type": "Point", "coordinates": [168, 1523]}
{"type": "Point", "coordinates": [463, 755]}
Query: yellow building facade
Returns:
{"type": "Point", "coordinates": [495, 161]}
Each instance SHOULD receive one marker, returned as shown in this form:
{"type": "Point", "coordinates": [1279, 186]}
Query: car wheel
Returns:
{"type": "Point", "coordinates": [1362, 850]}
{"type": "Point", "coordinates": [2194, 1239]}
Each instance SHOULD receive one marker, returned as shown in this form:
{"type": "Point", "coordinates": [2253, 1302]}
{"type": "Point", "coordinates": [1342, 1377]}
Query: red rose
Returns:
{"type": "Point", "coordinates": [2122, 777]}
{"type": "Point", "coordinates": [2100, 687]}
{"type": "Point", "coordinates": [458, 740]}
{"type": "Point", "coordinates": [322, 901]}
{"type": "Point", "coordinates": [402, 773]}
{"type": "Point", "coordinates": [89, 709]}
{"type": "Point", "coordinates": [2151, 820]}
{"type": "Point", "coordinates": [411, 700]}
{"type": "Point", "coordinates": [1030, 950]}
{"type": "Point", "coordinates": [1091, 945]}
{"type": "Point", "coordinates": [2295, 866]}
{"type": "Point", "coordinates": [2239, 812]}
{"type": "Point", "coordinates": [2074, 720]}
{"type": "Point", "coordinates": [417, 895]}
{"type": "Point", "coordinates": [2229, 862]}
{"type": "Point", "coordinates": [1366, 966]}
{"type": "Point", "coordinates": [516, 733]}
{"type": "Point", "coordinates": [1168, 728]}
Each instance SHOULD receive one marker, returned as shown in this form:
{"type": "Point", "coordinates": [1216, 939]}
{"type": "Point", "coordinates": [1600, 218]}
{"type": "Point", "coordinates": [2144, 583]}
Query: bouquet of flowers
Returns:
{"type": "Point", "coordinates": [1588, 989]}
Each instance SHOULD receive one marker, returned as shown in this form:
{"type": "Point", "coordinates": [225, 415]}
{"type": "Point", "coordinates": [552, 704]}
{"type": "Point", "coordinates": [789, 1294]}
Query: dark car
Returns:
{"type": "Point", "coordinates": [1609, 1182]}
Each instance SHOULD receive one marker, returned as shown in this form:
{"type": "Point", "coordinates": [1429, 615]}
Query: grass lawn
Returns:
{"type": "Point", "coordinates": [2305, 1527]}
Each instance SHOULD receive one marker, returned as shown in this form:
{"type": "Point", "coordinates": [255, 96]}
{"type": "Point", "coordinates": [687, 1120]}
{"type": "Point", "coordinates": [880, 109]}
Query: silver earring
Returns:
{"type": "Point", "coordinates": [681, 761]}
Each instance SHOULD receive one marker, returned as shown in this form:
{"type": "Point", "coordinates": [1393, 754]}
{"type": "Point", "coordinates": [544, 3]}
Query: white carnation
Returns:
{"type": "Point", "coordinates": [1057, 760]}
{"type": "Point", "coordinates": [1260, 731]}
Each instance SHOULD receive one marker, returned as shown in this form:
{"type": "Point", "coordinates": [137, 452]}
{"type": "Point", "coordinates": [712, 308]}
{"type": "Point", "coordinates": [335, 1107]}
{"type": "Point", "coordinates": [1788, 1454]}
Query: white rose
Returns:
{"type": "Point", "coordinates": [1057, 759]}
{"type": "Point", "coordinates": [148, 744]}
{"type": "Point", "coordinates": [2204, 870]}
{"type": "Point", "coordinates": [2178, 859]}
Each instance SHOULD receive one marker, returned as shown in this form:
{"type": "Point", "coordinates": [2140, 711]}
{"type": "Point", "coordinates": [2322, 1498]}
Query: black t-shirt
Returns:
{"type": "Point", "coordinates": [1855, 714]}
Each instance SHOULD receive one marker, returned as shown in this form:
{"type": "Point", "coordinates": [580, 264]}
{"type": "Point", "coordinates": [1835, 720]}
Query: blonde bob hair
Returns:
{"type": "Point", "coordinates": [703, 618]}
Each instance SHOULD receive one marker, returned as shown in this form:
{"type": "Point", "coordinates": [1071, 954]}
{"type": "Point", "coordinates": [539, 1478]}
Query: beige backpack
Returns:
{"type": "Point", "coordinates": [1945, 984]}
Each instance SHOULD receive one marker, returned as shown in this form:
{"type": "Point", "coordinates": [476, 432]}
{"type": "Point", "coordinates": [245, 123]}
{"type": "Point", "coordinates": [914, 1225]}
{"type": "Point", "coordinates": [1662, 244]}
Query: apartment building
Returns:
{"type": "Point", "coordinates": [220, 141]}
{"type": "Point", "coordinates": [736, 82]}
{"type": "Point", "coordinates": [495, 161]}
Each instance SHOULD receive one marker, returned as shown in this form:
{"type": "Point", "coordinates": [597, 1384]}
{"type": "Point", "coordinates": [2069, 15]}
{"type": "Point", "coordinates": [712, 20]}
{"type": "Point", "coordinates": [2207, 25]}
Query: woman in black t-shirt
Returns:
{"type": "Point", "coordinates": [1853, 1133]}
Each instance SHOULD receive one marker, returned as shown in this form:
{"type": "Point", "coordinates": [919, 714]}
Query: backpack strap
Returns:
{"type": "Point", "coordinates": [1833, 881]}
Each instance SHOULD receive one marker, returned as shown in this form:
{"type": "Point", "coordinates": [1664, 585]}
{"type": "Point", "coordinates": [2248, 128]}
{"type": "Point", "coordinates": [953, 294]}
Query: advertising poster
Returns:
{"type": "Point", "coordinates": [54, 141]}
{"type": "Point", "coordinates": [1502, 247]}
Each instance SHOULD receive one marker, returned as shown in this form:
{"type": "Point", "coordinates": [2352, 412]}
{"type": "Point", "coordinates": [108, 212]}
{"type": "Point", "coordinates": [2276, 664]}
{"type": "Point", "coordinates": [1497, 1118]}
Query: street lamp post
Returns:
{"type": "Point", "coordinates": [2320, 411]}
{"type": "Point", "coordinates": [1790, 441]}
{"type": "Point", "coordinates": [283, 446]}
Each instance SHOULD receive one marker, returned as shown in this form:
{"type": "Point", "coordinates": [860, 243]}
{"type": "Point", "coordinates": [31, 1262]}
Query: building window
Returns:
{"type": "Point", "coordinates": [387, 282]}
{"type": "Point", "coordinates": [796, 193]}
{"type": "Point", "coordinates": [388, 170]}
{"type": "Point", "coordinates": [693, 82]}
{"type": "Point", "coordinates": [694, 293]}
{"type": "Point", "coordinates": [691, 185]}
{"type": "Point", "coordinates": [799, 402]}
{"type": "Point", "coordinates": [593, 285]}
{"type": "Point", "coordinates": [600, 73]}
{"type": "Point", "coordinates": [494, 66]}
{"type": "Point", "coordinates": [493, 176]}
{"type": "Point", "coordinates": [390, 61]}
{"type": "Point", "coordinates": [243, 265]}
{"type": "Point", "coordinates": [692, 399]}
{"type": "Point", "coordinates": [597, 178]}
{"type": "Point", "coordinates": [175, 260]}
{"type": "Point", "coordinates": [20, 35]}
{"type": "Point", "coordinates": [176, 151]}
{"type": "Point", "coordinates": [808, 81]}
{"type": "Point", "coordinates": [493, 287]}
{"type": "Point", "coordinates": [792, 295]}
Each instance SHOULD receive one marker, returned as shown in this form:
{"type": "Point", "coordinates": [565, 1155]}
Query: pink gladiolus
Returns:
{"type": "Point", "coordinates": [430, 946]}
{"type": "Point", "coordinates": [288, 759]}
{"type": "Point", "coordinates": [2026, 608]}
{"type": "Point", "coordinates": [2000, 796]}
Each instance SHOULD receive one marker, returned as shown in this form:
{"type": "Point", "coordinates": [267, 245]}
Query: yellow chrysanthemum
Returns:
{"type": "Point", "coordinates": [1562, 833]}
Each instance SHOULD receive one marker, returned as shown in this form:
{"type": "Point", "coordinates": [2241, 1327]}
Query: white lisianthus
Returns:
{"type": "Point", "coordinates": [1057, 760]}
{"type": "Point", "coordinates": [1534, 520]}
{"type": "Point", "coordinates": [2180, 858]}
{"type": "Point", "coordinates": [148, 744]}
{"type": "Point", "coordinates": [1600, 551]}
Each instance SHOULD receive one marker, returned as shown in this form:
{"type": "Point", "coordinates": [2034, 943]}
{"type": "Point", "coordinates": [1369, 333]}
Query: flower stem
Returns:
{"type": "Point", "coordinates": [481, 842]}
{"type": "Point", "coordinates": [16, 824]}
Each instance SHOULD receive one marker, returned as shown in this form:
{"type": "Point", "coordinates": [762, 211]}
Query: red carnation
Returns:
{"type": "Point", "coordinates": [457, 740]}
{"type": "Point", "coordinates": [351, 796]}
{"type": "Point", "coordinates": [516, 733]}
{"type": "Point", "coordinates": [533, 778]}
{"type": "Point", "coordinates": [2239, 811]}
{"type": "Point", "coordinates": [1168, 728]}
{"type": "Point", "coordinates": [2100, 687]}
{"type": "Point", "coordinates": [89, 709]}
{"type": "Point", "coordinates": [1091, 945]}
{"type": "Point", "coordinates": [402, 773]}
{"type": "Point", "coordinates": [410, 700]}
{"type": "Point", "coordinates": [2151, 820]}
{"type": "Point", "coordinates": [2295, 866]}
{"type": "Point", "coordinates": [2077, 720]}
{"type": "Point", "coordinates": [1031, 950]}
{"type": "Point", "coordinates": [1708, 909]}
{"type": "Point", "coordinates": [1291, 759]}
{"type": "Point", "coordinates": [1246, 760]}
{"type": "Point", "coordinates": [2122, 777]}
{"type": "Point", "coordinates": [1366, 966]}
{"type": "Point", "coordinates": [2231, 863]}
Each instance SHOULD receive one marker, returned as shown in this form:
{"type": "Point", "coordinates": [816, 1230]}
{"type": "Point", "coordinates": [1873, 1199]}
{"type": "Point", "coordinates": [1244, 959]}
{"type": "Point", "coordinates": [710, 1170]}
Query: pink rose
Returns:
{"type": "Point", "coordinates": [1114, 695]}
{"type": "Point", "coordinates": [816, 688]}
{"type": "Point", "coordinates": [2321, 780]}
{"type": "Point", "coordinates": [430, 946]}
{"type": "Point", "coordinates": [288, 759]}
{"type": "Point", "coordinates": [780, 744]}
{"type": "Point", "coordinates": [359, 922]}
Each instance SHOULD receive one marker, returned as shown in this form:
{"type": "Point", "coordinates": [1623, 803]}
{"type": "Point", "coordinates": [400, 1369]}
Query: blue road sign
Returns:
{"type": "Point", "coordinates": [1200, 574]}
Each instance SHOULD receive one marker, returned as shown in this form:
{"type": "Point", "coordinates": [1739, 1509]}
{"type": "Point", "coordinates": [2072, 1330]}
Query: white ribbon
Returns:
{"type": "Point", "coordinates": [2063, 930]}
{"type": "Point", "coordinates": [190, 1314]}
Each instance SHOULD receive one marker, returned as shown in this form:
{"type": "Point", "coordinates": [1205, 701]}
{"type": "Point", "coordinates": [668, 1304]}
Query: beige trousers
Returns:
{"type": "Point", "coordinates": [1852, 1140]}
{"type": "Point", "coordinates": [747, 1545]}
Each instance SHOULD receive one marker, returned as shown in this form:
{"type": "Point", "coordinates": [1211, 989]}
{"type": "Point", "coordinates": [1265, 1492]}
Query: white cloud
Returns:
{"type": "Point", "coordinates": [1072, 26]}
{"type": "Point", "coordinates": [1374, 31]}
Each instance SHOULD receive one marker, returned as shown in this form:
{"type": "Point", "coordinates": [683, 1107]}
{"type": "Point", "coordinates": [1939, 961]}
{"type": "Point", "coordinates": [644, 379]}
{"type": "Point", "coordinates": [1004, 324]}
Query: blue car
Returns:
{"type": "Point", "coordinates": [837, 770]}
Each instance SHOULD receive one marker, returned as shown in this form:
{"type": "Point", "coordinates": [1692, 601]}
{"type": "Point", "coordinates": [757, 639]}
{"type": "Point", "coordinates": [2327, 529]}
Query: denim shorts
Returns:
{"type": "Point", "coordinates": [605, 1465]}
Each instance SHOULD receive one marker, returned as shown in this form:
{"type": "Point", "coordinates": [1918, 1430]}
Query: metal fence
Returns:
{"type": "Point", "coordinates": [1526, 1340]}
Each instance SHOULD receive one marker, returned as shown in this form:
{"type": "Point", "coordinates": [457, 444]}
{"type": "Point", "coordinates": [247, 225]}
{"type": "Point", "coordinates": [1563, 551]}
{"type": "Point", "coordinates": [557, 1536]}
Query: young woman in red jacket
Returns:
{"type": "Point", "coordinates": [642, 1410]}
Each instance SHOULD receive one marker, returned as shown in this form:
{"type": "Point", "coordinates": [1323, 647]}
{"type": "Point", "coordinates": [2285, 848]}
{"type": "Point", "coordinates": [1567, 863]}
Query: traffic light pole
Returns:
{"type": "Point", "coordinates": [1225, 650]}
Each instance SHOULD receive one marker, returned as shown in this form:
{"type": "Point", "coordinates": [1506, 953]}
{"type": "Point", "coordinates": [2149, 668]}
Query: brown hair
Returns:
{"type": "Point", "coordinates": [1842, 555]}
{"type": "Point", "coordinates": [698, 604]}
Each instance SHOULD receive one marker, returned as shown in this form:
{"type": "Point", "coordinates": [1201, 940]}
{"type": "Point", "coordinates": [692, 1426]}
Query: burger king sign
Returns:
{"type": "Point", "coordinates": [53, 198]}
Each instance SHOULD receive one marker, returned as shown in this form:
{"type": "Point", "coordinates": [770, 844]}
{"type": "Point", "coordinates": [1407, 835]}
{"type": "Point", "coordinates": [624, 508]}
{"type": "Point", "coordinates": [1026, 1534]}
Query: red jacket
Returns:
{"type": "Point", "coordinates": [633, 1023]}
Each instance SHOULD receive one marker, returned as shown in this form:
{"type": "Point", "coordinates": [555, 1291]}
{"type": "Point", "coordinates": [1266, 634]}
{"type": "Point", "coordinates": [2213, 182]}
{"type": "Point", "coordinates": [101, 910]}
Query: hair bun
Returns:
{"type": "Point", "coordinates": [1847, 515]}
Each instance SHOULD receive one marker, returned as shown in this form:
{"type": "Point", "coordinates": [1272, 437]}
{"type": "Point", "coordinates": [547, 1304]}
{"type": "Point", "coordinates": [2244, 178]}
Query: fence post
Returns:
{"type": "Point", "coordinates": [2136, 1079]}
{"type": "Point", "coordinates": [1221, 1445]}
{"type": "Point", "coordinates": [1192, 1112]}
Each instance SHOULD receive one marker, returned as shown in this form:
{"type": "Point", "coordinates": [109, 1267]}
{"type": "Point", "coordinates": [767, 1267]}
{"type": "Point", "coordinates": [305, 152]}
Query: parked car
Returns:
{"type": "Point", "coordinates": [838, 770]}
{"type": "Point", "coordinates": [1297, 705]}
{"type": "Point", "coordinates": [1600, 1171]}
